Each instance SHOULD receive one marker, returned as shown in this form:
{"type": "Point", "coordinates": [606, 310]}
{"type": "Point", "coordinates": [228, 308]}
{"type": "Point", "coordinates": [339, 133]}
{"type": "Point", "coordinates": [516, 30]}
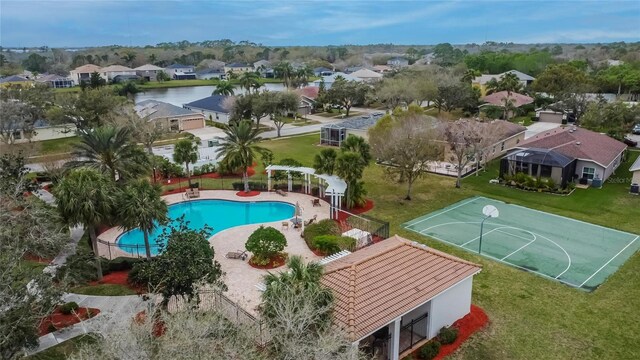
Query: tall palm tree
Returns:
{"type": "Point", "coordinates": [140, 205]}
{"type": "Point", "coordinates": [240, 147]}
{"type": "Point", "coordinates": [186, 151]}
{"type": "Point", "coordinates": [285, 71]}
{"type": "Point", "coordinates": [224, 88]}
{"type": "Point", "coordinates": [302, 285]}
{"type": "Point", "coordinates": [111, 151]}
{"type": "Point", "coordinates": [350, 167]}
{"type": "Point", "coordinates": [325, 161]}
{"type": "Point", "coordinates": [86, 197]}
{"type": "Point", "coordinates": [358, 145]}
{"type": "Point", "coordinates": [248, 80]}
{"type": "Point", "coordinates": [302, 76]}
{"type": "Point", "coordinates": [508, 82]}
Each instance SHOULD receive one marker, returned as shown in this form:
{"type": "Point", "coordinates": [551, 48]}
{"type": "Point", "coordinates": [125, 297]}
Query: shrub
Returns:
{"type": "Point", "coordinates": [551, 184]}
{"type": "Point", "coordinates": [540, 183]}
{"type": "Point", "coordinates": [331, 244]}
{"type": "Point", "coordinates": [208, 168]}
{"type": "Point", "coordinates": [265, 243]}
{"type": "Point", "coordinates": [447, 335]}
{"type": "Point", "coordinates": [322, 227]}
{"type": "Point", "coordinates": [197, 171]}
{"type": "Point", "coordinates": [520, 178]}
{"type": "Point", "coordinates": [430, 350]}
{"type": "Point", "coordinates": [121, 264]}
{"type": "Point", "coordinates": [51, 328]}
{"type": "Point", "coordinates": [530, 182]}
{"type": "Point", "coordinates": [140, 274]}
{"type": "Point", "coordinates": [253, 185]}
{"type": "Point", "coordinates": [69, 307]}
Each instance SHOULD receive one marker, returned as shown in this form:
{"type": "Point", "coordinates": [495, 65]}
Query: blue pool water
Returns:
{"type": "Point", "coordinates": [218, 214]}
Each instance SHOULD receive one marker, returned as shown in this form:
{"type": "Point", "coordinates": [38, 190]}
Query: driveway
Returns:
{"type": "Point", "coordinates": [539, 127]}
{"type": "Point", "coordinates": [635, 138]}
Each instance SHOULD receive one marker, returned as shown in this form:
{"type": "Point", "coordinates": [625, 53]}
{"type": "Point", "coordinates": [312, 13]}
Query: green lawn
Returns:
{"type": "Point", "coordinates": [530, 317]}
{"type": "Point", "coordinates": [103, 290]}
{"type": "Point", "coordinates": [63, 350]}
{"type": "Point", "coordinates": [57, 146]}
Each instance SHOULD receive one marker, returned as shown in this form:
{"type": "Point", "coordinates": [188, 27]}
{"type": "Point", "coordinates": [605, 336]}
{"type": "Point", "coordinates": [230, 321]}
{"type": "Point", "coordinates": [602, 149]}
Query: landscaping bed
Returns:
{"type": "Point", "coordinates": [248, 193]}
{"type": "Point", "coordinates": [60, 318]}
{"type": "Point", "coordinates": [274, 262]}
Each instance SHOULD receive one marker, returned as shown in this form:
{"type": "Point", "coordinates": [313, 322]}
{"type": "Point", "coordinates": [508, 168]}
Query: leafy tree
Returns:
{"type": "Point", "coordinates": [35, 63]}
{"type": "Point", "coordinates": [455, 95]}
{"type": "Point", "coordinates": [85, 197]}
{"type": "Point", "coordinates": [186, 151]}
{"type": "Point", "coordinates": [15, 117]}
{"type": "Point", "coordinates": [96, 81]}
{"type": "Point", "coordinates": [140, 205]}
{"type": "Point", "coordinates": [127, 89]}
{"type": "Point", "coordinates": [142, 130]}
{"type": "Point", "coordinates": [13, 177]}
{"type": "Point", "coordinates": [185, 263]}
{"type": "Point", "coordinates": [346, 94]}
{"type": "Point", "coordinates": [128, 57]}
{"type": "Point", "coordinates": [110, 150]}
{"type": "Point", "coordinates": [162, 76]}
{"type": "Point", "coordinates": [281, 104]}
{"type": "Point", "coordinates": [615, 119]}
{"type": "Point", "coordinates": [240, 148]}
{"type": "Point", "coordinates": [325, 161]}
{"type": "Point", "coordinates": [446, 55]}
{"type": "Point", "coordinates": [265, 244]}
{"type": "Point", "coordinates": [406, 143]}
{"type": "Point", "coordinates": [88, 109]}
{"type": "Point", "coordinates": [224, 88]}
{"type": "Point", "coordinates": [623, 78]}
{"type": "Point", "coordinates": [302, 76]}
{"type": "Point", "coordinates": [396, 91]}
{"type": "Point", "coordinates": [462, 137]}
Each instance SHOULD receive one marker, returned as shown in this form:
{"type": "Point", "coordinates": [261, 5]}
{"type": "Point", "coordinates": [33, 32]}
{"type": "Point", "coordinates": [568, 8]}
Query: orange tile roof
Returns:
{"type": "Point", "coordinates": [379, 283]}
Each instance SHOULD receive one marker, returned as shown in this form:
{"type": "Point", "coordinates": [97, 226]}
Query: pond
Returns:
{"type": "Point", "coordinates": [182, 95]}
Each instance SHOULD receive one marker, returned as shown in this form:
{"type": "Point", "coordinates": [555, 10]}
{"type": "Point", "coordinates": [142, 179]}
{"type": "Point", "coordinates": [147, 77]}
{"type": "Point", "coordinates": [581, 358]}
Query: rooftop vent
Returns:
{"type": "Point", "coordinates": [578, 143]}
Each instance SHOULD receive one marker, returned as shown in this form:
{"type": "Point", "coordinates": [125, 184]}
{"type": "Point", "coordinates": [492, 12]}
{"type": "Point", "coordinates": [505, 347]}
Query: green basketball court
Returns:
{"type": "Point", "coordinates": [573, 252]}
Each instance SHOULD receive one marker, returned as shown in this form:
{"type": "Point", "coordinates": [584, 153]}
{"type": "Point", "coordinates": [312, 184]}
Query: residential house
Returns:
{"type": "Point", "coordinates": [148, 72]}
{"type": "Point", "coordinates": [322, 71]}
{"type": "Point", "coordinates": [55, 81]}
{"type": "Point", "coordinates": [261, 64]}
{"type": "Point", "coordinates": [15, 80]}
{"type": "Point", "coordinates": [308, 95]}
{"type": "Point", "coordinates": [42, 130]}
{"type": "Point", "coordinates": [83, 73]}
{"type": "Point", "coordinates": [566, 154]}
{"type": "Point", "coordinates": [396, 295]}
{"type": "Point", "coordinates": [110, 72]}
{"type": "Point", "coordinates": [635, 171]}
{"type": "Point", "coordinates": [212, 107]}
{"type": "Point", "coordinates": [482, 80]}
{"type": "Point", "coordinates": [352, 69]}
{"type": "Point", "coordinates": [209, 74]}
{"type": "Point", "coordinates": [238, 68]}
{"type": "Point", "coordinates": [335, 134]}
{"type": "Point", "coordinates": [329, 80]}
{"type": "Point", "coordinates": [169, 116]}
{"type": "Point", "coordinates": [124, 78]}
{"type": "Point", "coordinates": [382, 69]}
{"type": "Point", "coordinates": [181, 72]}
{"type": "Point", "coordinates": [398, 62]}
{"type": "Point", "coordinates": [367, 75]}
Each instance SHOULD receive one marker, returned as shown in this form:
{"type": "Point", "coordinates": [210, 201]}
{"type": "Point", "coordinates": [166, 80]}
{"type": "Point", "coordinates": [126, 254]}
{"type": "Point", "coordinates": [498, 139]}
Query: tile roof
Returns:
{"type": "Point", "coordinates": [377, 284]}
{"type": "Point", "coordinates": [366, 74]}
{"type": "Point", "coordinates": [578, 143]}
{"type": "Point", "coordinates": [211, 103]}
{"type": "Point", "coordinates": [179, 66]}
{"type": "Point", "coordinates": [114, 68]}
{"type": "Point", "coordinates": [238, 65]}
{"type": "Point", "coordinates": [154, 109]}
{"type": "Point", "coordinates": [498, 98]}
{"type": "Point", "coordinates": [310, 92]}
{"type": "Point", "coordinates": [89, 68]}
{"type": "Point", "coordinates": [148, 67]}
{"type": "Point", "coordinates": [508, 129]}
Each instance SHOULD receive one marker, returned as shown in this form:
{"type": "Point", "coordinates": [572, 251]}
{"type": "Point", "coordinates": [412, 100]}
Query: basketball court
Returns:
{"type": "Point", "coordinates": [574, 252]}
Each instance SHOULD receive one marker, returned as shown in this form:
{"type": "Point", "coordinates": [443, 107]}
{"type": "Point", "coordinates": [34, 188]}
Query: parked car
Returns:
{"type": "Point", "coordinates": [636, 129]}
{"type": "Point", "coordinates": [630, 142]}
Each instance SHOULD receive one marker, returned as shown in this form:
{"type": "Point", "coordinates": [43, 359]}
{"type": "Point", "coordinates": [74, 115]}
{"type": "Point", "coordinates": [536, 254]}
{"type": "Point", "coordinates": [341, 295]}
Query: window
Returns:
{"type": "Point", "coordinates": [502, 146]}
{"type": "Point", "coordinates": [588, 173]}
{"type": "Point", "coordinates": [17, 135]}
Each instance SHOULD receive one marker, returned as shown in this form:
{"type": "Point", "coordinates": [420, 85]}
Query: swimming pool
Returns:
{"type": "Point", "coordinates": [218, 214]}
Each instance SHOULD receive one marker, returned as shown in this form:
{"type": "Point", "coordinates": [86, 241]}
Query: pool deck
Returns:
{"type": "Point", "coordinates": [240, 278]}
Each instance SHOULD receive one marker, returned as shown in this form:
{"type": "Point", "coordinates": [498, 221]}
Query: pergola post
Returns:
{"type": "Point", "coordinates": [394, 347]}
{"type": "Point", "coordinates": [269, 180]}
{"type": "Point", "coordinates": [290, 181]}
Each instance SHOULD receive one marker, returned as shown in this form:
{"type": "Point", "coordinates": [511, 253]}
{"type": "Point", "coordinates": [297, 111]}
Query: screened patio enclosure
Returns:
{"type": "Point", "coordinates": [332, 134]}
{"type": "Point", "coordinates": [539, 163]}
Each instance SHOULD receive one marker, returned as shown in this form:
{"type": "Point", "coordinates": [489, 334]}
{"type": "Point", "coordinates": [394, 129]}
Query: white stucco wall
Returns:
{"type": "Point", "coordinates": [635, 179]}
{"type": "Point", "coordinates": [612, 167]}
{"type": "Point", "coordinates": [450, 306]}
{"type": "Point", "coordinates": [580, 164]}
{"type": "Point", "coordinates": [48, 133]}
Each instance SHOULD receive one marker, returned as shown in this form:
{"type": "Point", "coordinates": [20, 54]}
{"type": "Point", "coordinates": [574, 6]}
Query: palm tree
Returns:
{"type": "Point", "coordinates": [240, 147]}
{"type": "Point", "coordinates": [508, 82]}
{"type": "Point", "coordinates": [111, 151]}
{"type": "Point", "coordinates": [285, 71]}
{"type": "Point", "coordinates": [224, 88]}
{"type": "Point", "coordinates": [140, 205]}
{"type": "Point", "coordinates": [86, 197]}
{"type": "Point", "coordinates": [358, 145]}
{"type": "Point", "coordinates": [186, 151]}
{"type": "Point", "coordinates": [325, 161]}
{"type": "Point", "coordinates": [302, 285]}
{"type": "Point", "coordinates": [350, 167]}
{"type": "Point", "coordinates": [248, 80]}
{"type": "Point", "coordinates": [302, 76]}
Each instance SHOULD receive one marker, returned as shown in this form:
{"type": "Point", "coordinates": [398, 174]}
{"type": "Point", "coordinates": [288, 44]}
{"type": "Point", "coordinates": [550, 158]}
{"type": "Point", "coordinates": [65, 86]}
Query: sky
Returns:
{"type": "Point", "coordinates": [79, 23]}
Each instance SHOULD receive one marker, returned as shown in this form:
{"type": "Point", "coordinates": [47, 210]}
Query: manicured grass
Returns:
{"type": "Point", "coordinates": [530, 317]}
{"type": "Point", "coordinates": [302, 122]}
{"type": "Point", "coordinates": [63, 350]}
{"type": "Point", "coordinates": [103, 290]}
{"type": "Point", "coordinates": [57, 146]}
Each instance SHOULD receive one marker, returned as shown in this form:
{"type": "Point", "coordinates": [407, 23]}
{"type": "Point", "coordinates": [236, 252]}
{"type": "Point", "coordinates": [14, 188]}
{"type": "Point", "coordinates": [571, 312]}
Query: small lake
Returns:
{"type": "Point", "coordinates": [182, 95]}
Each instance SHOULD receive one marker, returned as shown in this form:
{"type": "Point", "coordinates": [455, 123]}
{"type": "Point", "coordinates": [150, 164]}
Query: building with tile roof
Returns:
{"type": "Point", "coordinates": [367, 75]}
{"type": "Point", "coordinates": [83, 73]}
{"type": "Point", "coordinates": [148, 72]}
{"type": "Point", "coordinates": [212, 107]}
{"type": "Point", "coordinates": [110, 72]}
{"type": "Point", "coordinates": [593, 156]}
{"type": "Point", "coordinates": [396, 289]}
{"type": "Point", "coordinates": [169, 116]}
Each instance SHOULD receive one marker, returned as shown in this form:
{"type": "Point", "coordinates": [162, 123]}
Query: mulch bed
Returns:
{"type": "Point", "coordinates": [159, 326]}
{"type": "Point", "coordinates": [248, 194]}
{"type": "Point", "coordinates": [276, 262]}
{"type": "Point", "coordinates": [61, 321]}
{"type": "Point", "coordinates": [118, 278]}
{"type": "Point", "coordinates": [356, 210]}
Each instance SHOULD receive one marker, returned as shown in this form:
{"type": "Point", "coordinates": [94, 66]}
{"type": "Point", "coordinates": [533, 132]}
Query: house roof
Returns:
{"type": "Point", "coordinates": [321, 69]}
{"type": "Point", "coordinates": [483, 79]}
{"type": "Point", "coordinates": [366, 74]}
{"type": "Point", "coordinates": [398, 59]}
{"type": "Point", "coordinates": [13, 78]}
{"type": "Point", "coordinates": [148, 67]}
{"type": "Point", "coordinates": [154, 109]}
{"type": "Point", "coordinates": [238, 65]}
{"type": "Point", "coordinates": [578, 143]}
{"type": "Point", "coordinates": [310, 92]}
{"type": "Point", "coordinates": [332, 78]}
{"type": "Point", "coordinates": [179, 66]}
{"type": "Point", "coordinates": [51, 77]}
{"type": "Point", "coordinates": [507, 128]}
{"type": "Point", "coordinates": [114, 68]}
{"type": "Point", "coordinates": [498, 99]}
{"type": "Point", "coordinates": [89, 68]}
{"type": "Point", "coordinates": [636, 165]}
{"type": "Point", "coordinates": [211, 103]}
{"type": "Point", "coordinates": [382, 68]}
{"type": "Point", "coordinates": [540, 157]}
{"type": "Point", "coordinates": [377, 284]}
{"type": "Point", "coordinates": [359, 123]}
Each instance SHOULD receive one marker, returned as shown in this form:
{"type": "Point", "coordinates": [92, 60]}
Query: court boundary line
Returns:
{"type": "Point", "coordinates": [610, 260]}
{"type": "Point", "coordinates": [442, 212]}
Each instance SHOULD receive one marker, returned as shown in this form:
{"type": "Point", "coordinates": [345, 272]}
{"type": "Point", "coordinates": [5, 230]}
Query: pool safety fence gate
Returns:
{"type": "Point", "coordinates": [111, 250]}
{"type": "Point", "coordinates": [378, 229]}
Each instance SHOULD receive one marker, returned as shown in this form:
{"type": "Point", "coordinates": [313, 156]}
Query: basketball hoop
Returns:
{"type": "Point", "coordinates": [489, 211]}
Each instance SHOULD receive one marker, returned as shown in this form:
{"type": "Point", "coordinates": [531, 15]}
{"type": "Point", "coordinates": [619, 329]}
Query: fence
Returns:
{"type": "Point", "coordinates": [378, 229]}
{"type": "Point", "coordinates": [215, 300]}
{"type": "Point", "coordinates": [111, 250]}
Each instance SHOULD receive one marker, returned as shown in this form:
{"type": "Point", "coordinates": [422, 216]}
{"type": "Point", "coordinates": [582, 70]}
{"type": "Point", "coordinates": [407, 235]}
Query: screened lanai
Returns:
{"type": "Point", "coordinates": [539, 163]}
{"type": "Point", "coordinates": [332, 134]}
